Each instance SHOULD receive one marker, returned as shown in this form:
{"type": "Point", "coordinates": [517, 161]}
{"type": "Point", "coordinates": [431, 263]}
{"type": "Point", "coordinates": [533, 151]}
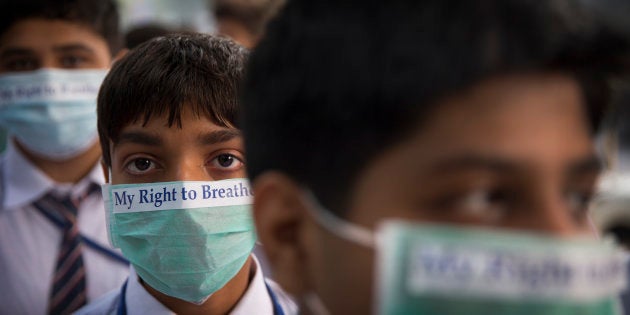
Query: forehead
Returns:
{"type": "Point", "coordinates": [42, 35]}
{"type": "Point", "coordinates": [533, 126]}
{"type": "Point", "coordinates": [514, 115]}
{"type": "Point", "coordinates": [192, 124]}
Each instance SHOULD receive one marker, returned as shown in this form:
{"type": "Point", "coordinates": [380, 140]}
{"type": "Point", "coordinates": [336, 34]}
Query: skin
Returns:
{"type": "Point", "coordinates": [36, 43]}
{"type": "Point", "coordinates": [237, 31]}
{"type": "Point", "coordinates": [198, 151]}
{"type": "Point", "coordinates": [511, 153]}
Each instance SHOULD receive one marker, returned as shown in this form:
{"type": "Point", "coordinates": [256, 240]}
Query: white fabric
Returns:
{"type": "Point", "coordinates": [29, 242]}
{"type": "Point", "coordinates": [256, 299]}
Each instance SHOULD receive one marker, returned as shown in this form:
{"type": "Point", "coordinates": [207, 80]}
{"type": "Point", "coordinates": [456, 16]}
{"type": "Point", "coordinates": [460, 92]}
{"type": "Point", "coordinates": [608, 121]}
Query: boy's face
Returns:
{"type": "Point", "coordinates": [510, 153]}
{"type": "Point", "coordinates": [198, 151]}
{"type": "Point", "coordinates": [237, 31]}
{"type": "Point", "coordinates": [37, 43]}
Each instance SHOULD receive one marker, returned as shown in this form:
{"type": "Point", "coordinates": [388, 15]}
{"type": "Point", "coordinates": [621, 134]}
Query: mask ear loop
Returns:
{"type": "Point", "coordinates": [342, 228]}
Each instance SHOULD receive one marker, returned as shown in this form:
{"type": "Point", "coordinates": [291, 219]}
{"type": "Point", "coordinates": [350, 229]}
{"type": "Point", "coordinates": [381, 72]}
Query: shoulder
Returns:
{"type": "Point", "coordinates": [285, 300]}
{"type": "Point", "coordinates": [106, 304]}
{"type": "Point", "coordinates": [625, 295]}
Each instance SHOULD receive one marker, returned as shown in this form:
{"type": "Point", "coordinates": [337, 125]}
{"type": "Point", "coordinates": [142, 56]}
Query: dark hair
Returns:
{"type": "Point", "coordinates": [101, 16]}
{"type": "Point", "coordinates": [165, 74]}
{"type": "Point", "coordinates": [252, 14]}
{"type": "Point", "coordinates": [333, 85]}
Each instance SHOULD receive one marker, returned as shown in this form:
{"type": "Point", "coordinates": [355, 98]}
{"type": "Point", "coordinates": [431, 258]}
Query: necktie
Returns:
{"type": "Point", "coordinates": [68, 291]}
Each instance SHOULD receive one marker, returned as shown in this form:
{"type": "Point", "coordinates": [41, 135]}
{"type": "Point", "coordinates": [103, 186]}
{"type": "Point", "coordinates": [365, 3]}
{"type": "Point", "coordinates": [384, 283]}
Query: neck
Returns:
{"type": "Point", "coordinates": [221, 302]}
{"type": "Point", "coordinates": [70, 170]}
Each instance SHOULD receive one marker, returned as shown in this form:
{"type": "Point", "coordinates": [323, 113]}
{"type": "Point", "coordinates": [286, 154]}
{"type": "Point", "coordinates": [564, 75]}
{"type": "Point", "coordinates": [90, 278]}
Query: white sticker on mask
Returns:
{"type": "Point", "coordinates": [431, 260]}
{"type": "Point", "coordinates": [50, 85]}
{"type": "Point", "coordinates": [512, 274]}
{"type": "Point", "coordinates": [178, 195]}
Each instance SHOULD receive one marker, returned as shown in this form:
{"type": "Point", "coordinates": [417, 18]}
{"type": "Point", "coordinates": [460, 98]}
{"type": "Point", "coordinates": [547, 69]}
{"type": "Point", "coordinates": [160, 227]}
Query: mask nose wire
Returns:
{"type": "Point", "coordinates": [342, 228]}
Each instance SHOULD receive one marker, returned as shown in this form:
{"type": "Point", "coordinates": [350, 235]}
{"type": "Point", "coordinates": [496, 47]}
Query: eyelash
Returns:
{"type": "Point", "coordinates": [214, 163]}
{"type": "Point", "coordinates": [487, 203]}
{"type": "Point", "coordinates": [235, 159]}
{"type": "Point", "coordinates": [21, 64]}
{"type": "Point", "coordinates": [72, 61]}
{"type": "Point", "coordinates": [133, 161]}
{"type": "Point", "coordinates": [495, 201]}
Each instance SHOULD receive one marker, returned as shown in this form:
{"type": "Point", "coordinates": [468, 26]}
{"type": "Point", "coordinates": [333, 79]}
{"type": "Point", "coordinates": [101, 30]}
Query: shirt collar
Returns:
{"type": "Point", "coordinates": [140, 301]}
{"type": "Point", "coordinates": [24, 182]}
{"type": "Point", "coordinates": [256, 299]}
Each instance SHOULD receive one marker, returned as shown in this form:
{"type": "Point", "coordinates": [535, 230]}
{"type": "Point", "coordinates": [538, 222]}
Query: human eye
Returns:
{"type": "Point", "coordinates": [140, 166]}
{"type": "Point", "coordinates": [484, 204]}
{"type": "Point", "coordinates": [227, 162]}
{"type": "Point", "coordinates": [20, 64]}
{"type": "Point", "coordinates": [72, 61]}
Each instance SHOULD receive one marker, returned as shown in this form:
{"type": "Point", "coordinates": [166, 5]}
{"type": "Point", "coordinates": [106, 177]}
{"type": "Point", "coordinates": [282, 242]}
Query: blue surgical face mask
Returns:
{"type": "Point", "coordinates": [184, 239]}
{"type": "Point", "coordinates": [51, 112]}
{"type": "Point", "coordinates": [447, 269]}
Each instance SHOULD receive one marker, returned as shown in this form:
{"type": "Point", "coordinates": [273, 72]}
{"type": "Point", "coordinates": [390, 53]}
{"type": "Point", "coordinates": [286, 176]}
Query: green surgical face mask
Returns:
{"type": "Point", "coordinates": [448, 270]}
{"type": "Point", "coordinates": [185, 239]}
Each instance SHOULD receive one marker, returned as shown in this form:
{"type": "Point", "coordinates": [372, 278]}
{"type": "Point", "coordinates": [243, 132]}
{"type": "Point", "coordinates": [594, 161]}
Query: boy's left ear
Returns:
{"type": "Point", "coordinates": [279, 217]}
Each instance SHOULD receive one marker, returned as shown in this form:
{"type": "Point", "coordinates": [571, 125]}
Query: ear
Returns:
{"type": "Point", "coordinates": [279, 214]}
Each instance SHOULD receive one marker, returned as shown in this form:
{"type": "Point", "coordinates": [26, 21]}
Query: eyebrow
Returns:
{"type": "Point", "coordinates": [73, 47]}
{"type": "Point", "coordinates": [472, 162]}
{"type": "Point", "coordinates": [21, 52]}
{"type": "Point", "coordinates": [218, 136]}
{"type": "Point", "coordinates": [591, 164]}
{"type": "Point", "coordinates": [138, 137]}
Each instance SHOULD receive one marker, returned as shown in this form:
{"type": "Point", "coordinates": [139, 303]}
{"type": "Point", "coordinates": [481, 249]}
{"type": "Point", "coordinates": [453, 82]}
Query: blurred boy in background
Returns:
{"type": "Point", "coordinates": [244, 20]}
{"type": "Point", "coordinates": [54, 255]}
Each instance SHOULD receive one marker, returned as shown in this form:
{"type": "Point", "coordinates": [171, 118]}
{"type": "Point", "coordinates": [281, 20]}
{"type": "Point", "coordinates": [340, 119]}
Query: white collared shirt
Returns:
{"type": "Point", "coordinates": [29, 242]}
{"type": "Point", "coordinates": [139, 301]}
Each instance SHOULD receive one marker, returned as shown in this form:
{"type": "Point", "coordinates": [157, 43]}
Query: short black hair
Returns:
{"type": "Point", "coordinates": [101, 16]}
{"type": "Point", "coordinates": [164, 75]}
{"type": "Point", "coordinates": [335, 84]}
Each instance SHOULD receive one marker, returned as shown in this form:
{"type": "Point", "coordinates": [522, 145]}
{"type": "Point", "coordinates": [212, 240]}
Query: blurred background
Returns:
{"type": "Point", "coordinates": [189, 14]}
{"type": "Point", "coordinates": [243, 20]}
{"type": "Point", "coordinates": [142, 19]}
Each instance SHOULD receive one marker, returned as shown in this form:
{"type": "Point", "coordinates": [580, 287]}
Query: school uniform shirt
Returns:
{"type": "Point", "coordinates": [30, 242]}
{"type": "Point", "coordinates": [138, 301]}
{"type": "Point", "coordinates": [625, 294]}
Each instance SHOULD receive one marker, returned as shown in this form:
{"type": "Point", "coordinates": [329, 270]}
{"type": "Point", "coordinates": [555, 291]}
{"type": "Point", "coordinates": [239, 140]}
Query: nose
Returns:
{"type": "Point", "coordinates": [48, 61]}
{"type": "Point", "coordinates": [190, 169]}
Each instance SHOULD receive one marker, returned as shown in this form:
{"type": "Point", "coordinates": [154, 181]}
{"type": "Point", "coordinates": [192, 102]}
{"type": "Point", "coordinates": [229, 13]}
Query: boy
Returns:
{"type": "Point", "coordinates": [53, 243]}
{"type": "Point", "coordinates": [178, 205]}
{"type": "Point", "coordinates": [244, 20]}
{"type": "Point", "coordinates": [445, 144]}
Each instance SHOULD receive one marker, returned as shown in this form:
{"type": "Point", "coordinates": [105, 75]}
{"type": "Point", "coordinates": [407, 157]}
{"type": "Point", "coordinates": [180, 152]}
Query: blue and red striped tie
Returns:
{"type": "Point", "coordinates": [68, 292]}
